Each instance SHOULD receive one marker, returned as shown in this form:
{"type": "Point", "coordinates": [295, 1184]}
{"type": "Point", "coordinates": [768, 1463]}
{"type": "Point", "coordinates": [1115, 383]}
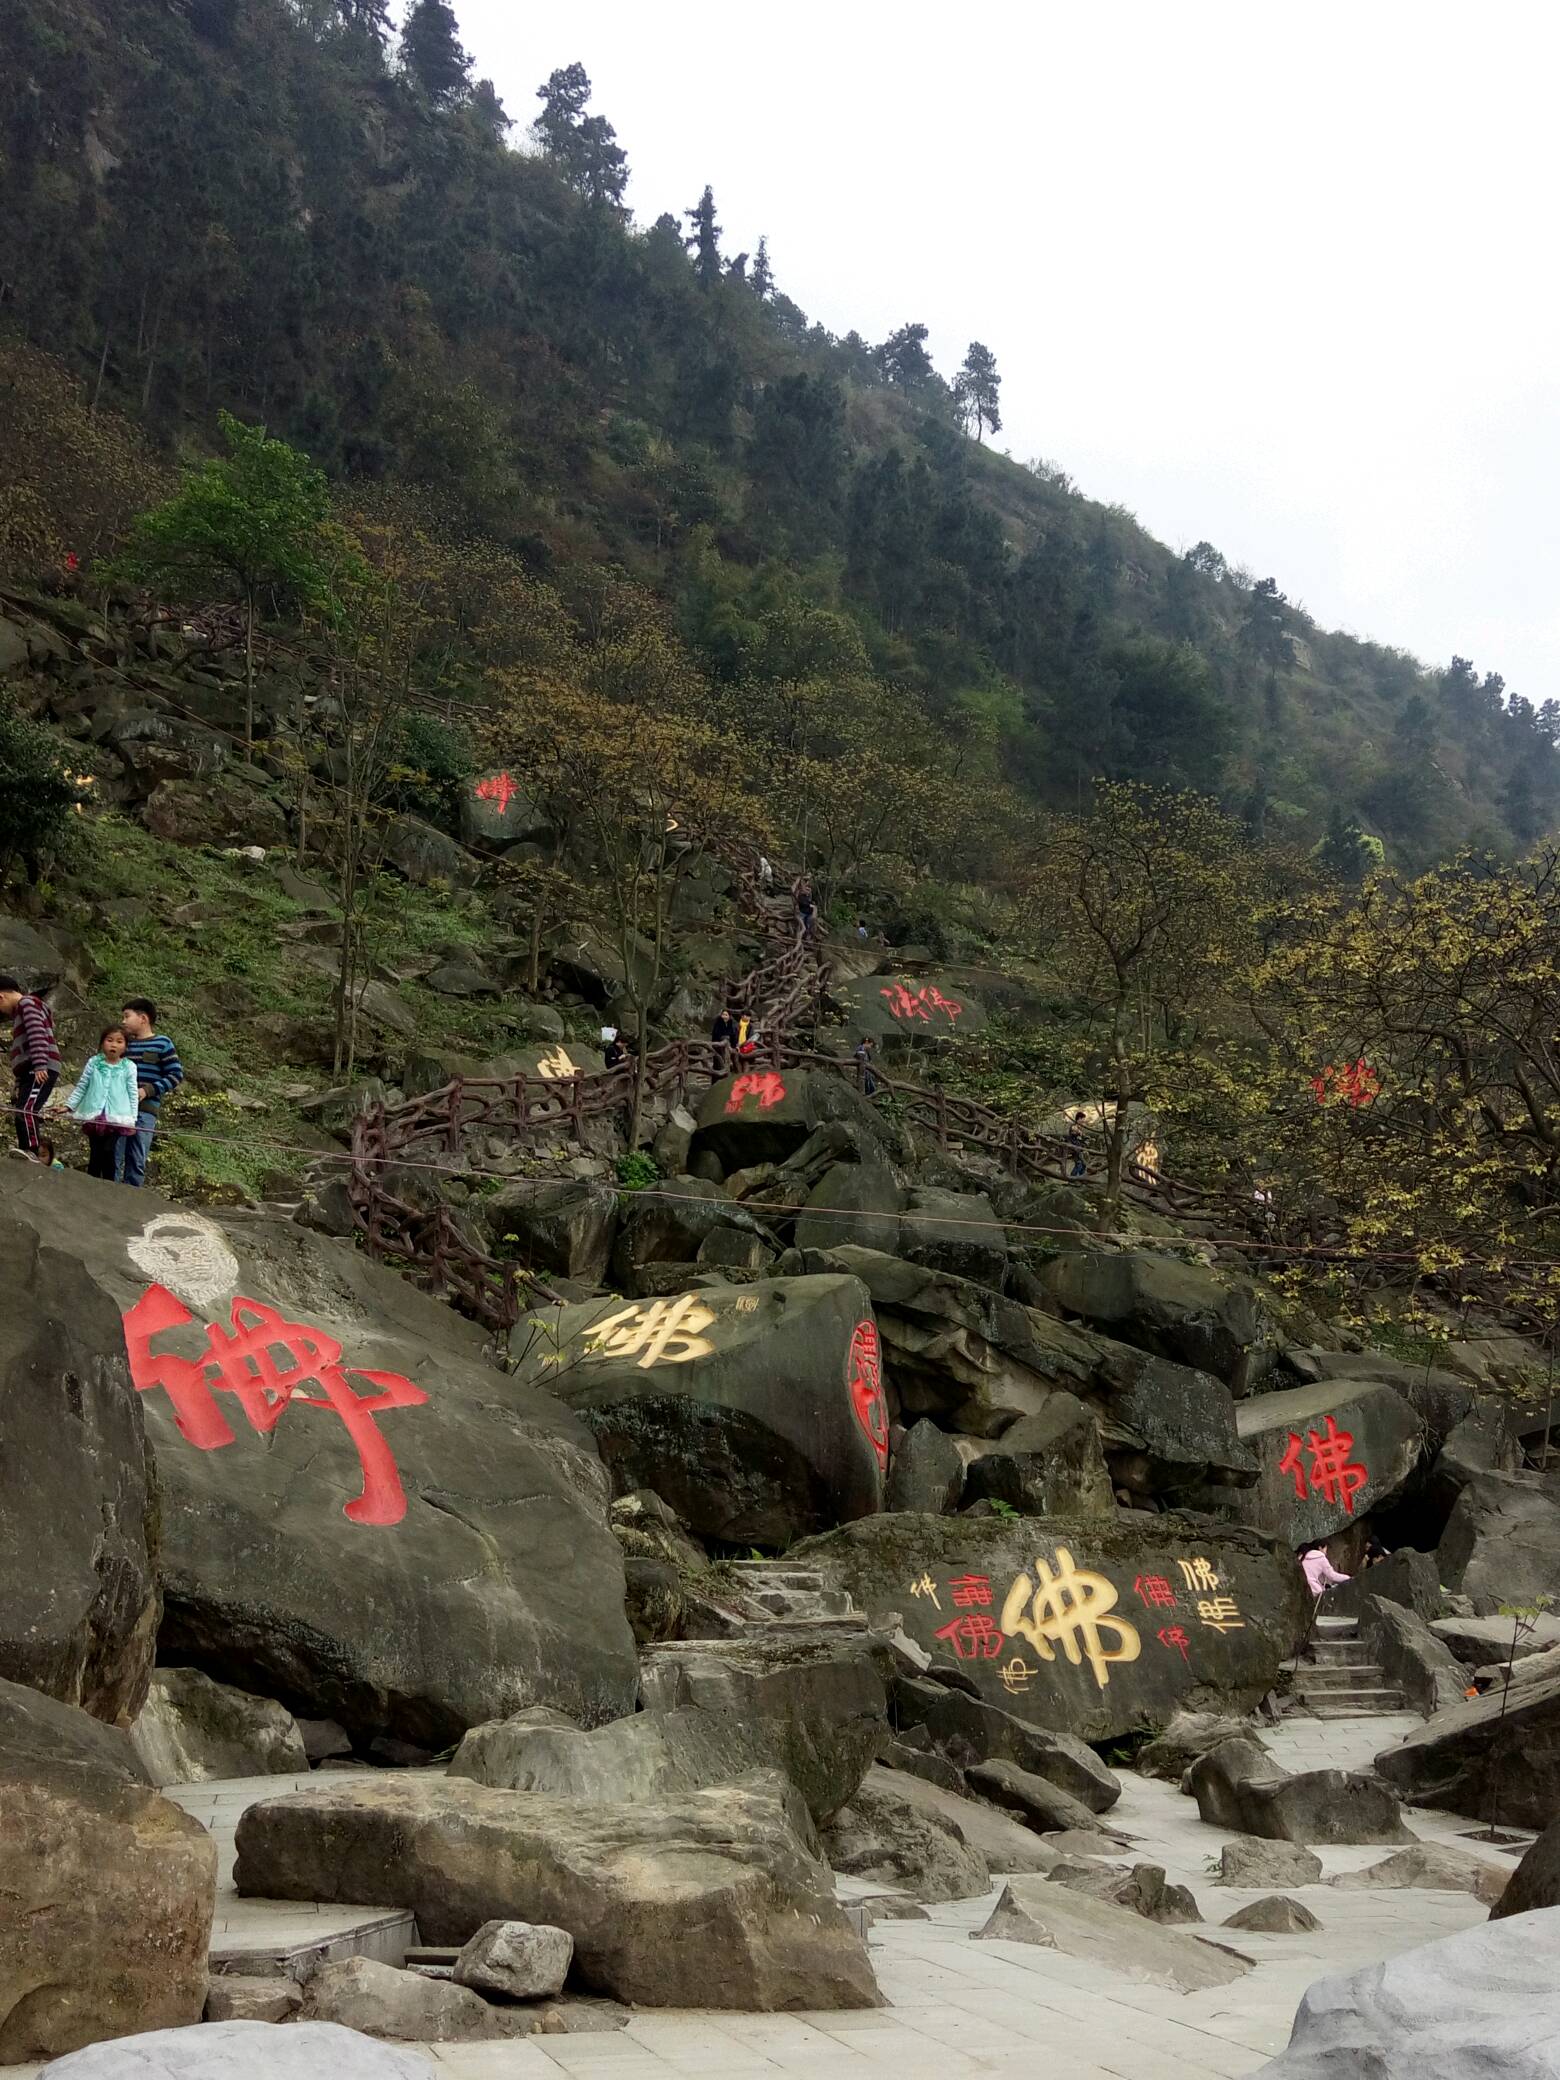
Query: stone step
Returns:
{"type": "Point", "coordinates": [1336, 1627]}
{"type": "Point", "coordinates": [776, 1572]}
{"type": "Point", "coordinates": [803, 1604]}
{"type": "Point", "coordinates": [1354, 1704]}
{"type": "Point", "coordinates": [1342, 1652]}
{"type": "Point", "coordinates": [283, 1939]}
{"type": "Point", "coordinates": [1359, 1675]}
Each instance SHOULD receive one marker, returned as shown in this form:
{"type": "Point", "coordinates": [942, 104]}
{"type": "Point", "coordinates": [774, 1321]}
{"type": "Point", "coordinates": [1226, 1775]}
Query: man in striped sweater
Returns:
{"type": "Point", "coordinates": [158, 1071]}
{"type": "Point", "coordinates": [35, 1059]}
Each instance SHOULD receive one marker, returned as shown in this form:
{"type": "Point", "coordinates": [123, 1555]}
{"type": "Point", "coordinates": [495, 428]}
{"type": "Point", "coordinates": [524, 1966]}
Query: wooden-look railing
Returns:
{"type": "Point", "coordinates": [393, 1146]}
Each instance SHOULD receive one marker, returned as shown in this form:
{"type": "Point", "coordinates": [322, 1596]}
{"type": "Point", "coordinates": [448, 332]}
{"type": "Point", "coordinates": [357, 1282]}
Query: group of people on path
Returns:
{"type": "Point", "coordinates": [117, 1097]}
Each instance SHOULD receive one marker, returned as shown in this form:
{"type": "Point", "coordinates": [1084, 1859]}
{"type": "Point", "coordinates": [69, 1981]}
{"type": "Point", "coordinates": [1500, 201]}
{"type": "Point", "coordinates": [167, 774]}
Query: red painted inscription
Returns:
{"type": "Point", "coordinates": [1330, 1472]}
{"type": "Point", "coordinates": [765, 1087]}
{"type": "Point", "coordinates": [866, 1388]}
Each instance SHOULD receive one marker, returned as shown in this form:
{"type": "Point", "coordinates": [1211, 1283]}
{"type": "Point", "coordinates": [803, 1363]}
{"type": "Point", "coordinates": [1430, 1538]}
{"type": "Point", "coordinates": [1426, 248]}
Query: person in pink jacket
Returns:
{"type": "Point", "coordinates": [1319, 1572]}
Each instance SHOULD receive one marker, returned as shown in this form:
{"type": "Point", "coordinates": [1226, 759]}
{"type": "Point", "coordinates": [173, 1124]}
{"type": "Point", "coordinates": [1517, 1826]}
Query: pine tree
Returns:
{"type": "Point", "coordinates": [431, 55]}
{"type": "Point", "coordinates": [762, 278]}
{"type": "Point", "coordinates": [705, 242]}
{"type": "Point", "coordinates": [903, 357]}
{"type": "Point", "coordinates": [975, 390]}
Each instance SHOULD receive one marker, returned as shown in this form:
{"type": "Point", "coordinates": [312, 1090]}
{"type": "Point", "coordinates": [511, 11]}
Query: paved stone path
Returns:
{"type": "Point", "coordinates": [958, 2007]}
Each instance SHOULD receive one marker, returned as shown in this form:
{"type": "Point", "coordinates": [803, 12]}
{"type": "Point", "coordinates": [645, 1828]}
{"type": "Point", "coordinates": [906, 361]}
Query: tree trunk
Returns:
{"type": "Point", "coordinates": [97, 387]}
{"type": "Point", "coordinates": [533, 973]}
{"type": "Point", "coordinates": [249, 674]}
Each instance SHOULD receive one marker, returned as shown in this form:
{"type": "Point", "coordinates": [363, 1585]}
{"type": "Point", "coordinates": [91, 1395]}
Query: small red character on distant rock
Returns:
{"type": "Point", "coordinates": [766, 1087]}
{"type": "Point", "coordinates": [499, 788]}
{"type": "Point", "coordinates": [866, 1388]}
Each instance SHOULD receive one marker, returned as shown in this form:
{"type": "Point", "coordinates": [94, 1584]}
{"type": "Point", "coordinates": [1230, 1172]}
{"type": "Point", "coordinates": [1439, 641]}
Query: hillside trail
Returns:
{"type": "Point", "coordinates": [777, 995]}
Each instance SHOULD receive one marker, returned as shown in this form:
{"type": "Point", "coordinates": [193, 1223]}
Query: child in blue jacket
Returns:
{"type": "Point", "coordinates": [105, 1101]}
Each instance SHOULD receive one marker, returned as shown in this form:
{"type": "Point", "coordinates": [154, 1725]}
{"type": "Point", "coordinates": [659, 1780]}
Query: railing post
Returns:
{"type": "Point", "coordinates": [942, 1117]}
{"type": "Point", "coordinates": [454, 1108]}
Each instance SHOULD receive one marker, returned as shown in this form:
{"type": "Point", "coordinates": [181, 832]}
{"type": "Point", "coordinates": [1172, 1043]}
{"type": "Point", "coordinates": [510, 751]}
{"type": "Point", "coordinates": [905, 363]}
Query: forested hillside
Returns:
{"type": "Point", "coordinates": [270, 207]}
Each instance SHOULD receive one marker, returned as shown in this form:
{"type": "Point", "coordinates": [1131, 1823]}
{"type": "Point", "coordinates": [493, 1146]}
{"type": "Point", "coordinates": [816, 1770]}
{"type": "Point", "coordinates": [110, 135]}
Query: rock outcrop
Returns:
{"type": "Point", "coordinates": [1239, 1785]}
{"type": "Point", "coordinates": [1032, 1910]}
{"type": "Point", "coordinates": [1536, 1880]}
{"type": "Point", "coordinates": [191, 1729]}
{"type": "Point", "coordinates": [254, 2050]}
{"type": "Point", "coordinates": [1326, 1455]}
{"type": "Point", "coordinates": [885, 1835]}
{"type": "Point", "coordinates": [1501, 1544]}
{"type": "Point", "coordinates": [78, 1593]}
{"type": "Point", "coordinates": [1094, 1627]}
{"type": "Point", "coordinates": [708, 1900]}
{"type": "Point", "coordinates": [1177, 1310]}
{"type": "Point", "coordinates": [758, 1413]}
{"type": "Point", "coordinates": [359, 1515]}
{"type": "Point", "coordinates": [106, 1887]}
{"type": "Point", "coordinates": [1479, 1760]}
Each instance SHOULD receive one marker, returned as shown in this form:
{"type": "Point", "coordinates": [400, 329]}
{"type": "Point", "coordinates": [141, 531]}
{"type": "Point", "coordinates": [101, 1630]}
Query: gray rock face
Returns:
{"type": "Point", "coordinates": [191, 1728]}
{"type": "Point", "coordinates": [1501, 1544]}
{"type": "Point", "coordinates": [1420, 1665]}
{"type": "Point", "coordinates": [693, 1902]}
{"type": "Point", "coordinates": [359, 1993]}
{"type": "Point", "coordinates": [242, 2050]}
{"type": "Point", "coordinates": [1043, 1806]}
{"type": "Point", "coordinates": [1476, 1642]}
{"type": "Point", "coordinates": [882, 1834]}
{"type": "Point", "coordinates": [1325, 1455]}
{"type": "Point", "coordinates": [518, 1960]}
{"type": "Point", "coordinates": [1181, 1612]}
{"type": "Point", "coordinates": [1536, 1880]}
{"type": "Point", "coordinates": [1238, 1785]}
{"type": "Point", "coordinates": [758, 1414]}
{"type": "Point", "coordinates": [1405, 1577]}
{"type": "Point", "coordinates": [1428, 1867]}
{"type": "Point", "coordinates": [399, 1537]}
{"type": "Point", "coordinates": [852, 1205]}
{"type": "Point", "coordinates": [559, 1226]}
{"type": "Point", "coordinates": [1274, 1916]}
{"type": "Point", "coordinates": [106, 1887]}
{"type": "Point", "coordinates": [1479, 2003]}
{"type": "Point", "coordinates": [1188, 1735]}
{"type": "Point", "coordinates": [1467, 1758]}
{"type": "Point", "coordinates": [1166, 1428]}
{"type": "Point", "coordinates": [1248, 1861]}
{"type": "Point", "coordinates": [78, 1598]}
{"type": "Point", "coordinates": [1176, 1310]}
{"type": "Point", "coordinates": [967, 1729]}
{"type": "Point", "coordinates": [820, 1702]}
{"type": "Point", "coordinates": [956, 1232]}
{"type": "Point", "coordinates": [927, 1472]}
{"type": "Point", "coordinates": [1033, 1911]}
{"type": "Point", "coordinates": [1046, 1465]}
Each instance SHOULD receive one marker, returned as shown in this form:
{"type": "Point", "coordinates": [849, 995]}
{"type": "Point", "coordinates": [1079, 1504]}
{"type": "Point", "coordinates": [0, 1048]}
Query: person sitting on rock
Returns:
{"type": "Point", "coordinates": [158, 1071]}
{"type": "Point", "coordinates": [106, 1102]}
{"type": "Point", "coordinates": [615, 1053]}
{"type": "Point", "coordinates": [35, 1059]}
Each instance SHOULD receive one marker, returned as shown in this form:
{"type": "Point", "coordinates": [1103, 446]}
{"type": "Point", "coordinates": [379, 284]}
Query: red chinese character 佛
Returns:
{"type": "Point", "coordinates": [1174, 1637]}
{"type": "Point", "coordinates": [1331, 1473]}
{"type": "Point", "coordinates": [499, 788]}
{"type": "Point", "coordinates": [866, 1388]}
{"type": "Point", "coordinates": [974, 1638]}
{"type": "Point", "coordinates": [241, 1360]}
{"type": "Point", "coordinates": [1155, 1591]}
{"type": "Point", "coordinates": [766, 1087]}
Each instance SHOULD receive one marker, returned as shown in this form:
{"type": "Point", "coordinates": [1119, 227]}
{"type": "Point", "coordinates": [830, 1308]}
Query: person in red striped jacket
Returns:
{"type": "Point", "coordinates": [35, 1059]}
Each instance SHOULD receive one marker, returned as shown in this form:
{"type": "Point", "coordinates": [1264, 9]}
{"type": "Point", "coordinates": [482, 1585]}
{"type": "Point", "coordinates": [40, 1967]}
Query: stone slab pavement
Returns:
{"type": "Point", "coordinates": [959, 2007]}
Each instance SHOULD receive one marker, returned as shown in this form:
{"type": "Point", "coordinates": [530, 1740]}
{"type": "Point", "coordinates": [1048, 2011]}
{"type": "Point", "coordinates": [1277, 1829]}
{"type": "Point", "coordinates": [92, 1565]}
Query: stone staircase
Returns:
{"type": "Point", "coordinates": [776, 1595]}
{"type": "Point", "coordinates": [1342, 1682]}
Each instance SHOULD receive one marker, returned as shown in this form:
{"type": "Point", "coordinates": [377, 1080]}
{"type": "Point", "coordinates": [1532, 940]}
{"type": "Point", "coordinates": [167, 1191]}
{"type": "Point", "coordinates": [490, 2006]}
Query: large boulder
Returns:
{"type": "Point", "coordinates": [1238, 1785]}
{"type": "Point", "coordinates": [559, 1225]}
{"type": "Point", "coordinates": [821, 1698]}
{"type": "Point", "coordinates": [1499, 1751]}
{"type": "Point", "coordinates": [704, 1901]}
{"type": "Point", "coordinates": [78, 1595]}
{"type": "Point", "coordinates": [672, 1226]}
{"type": "Point", "coordinates": [106, 1887]}
{"type": "Point", "coordinates": [758, 1414]}
{"type": "Point", "coordinates": [191, 1729]}
{"type": "Point", "coordinates": [908, 1010]}
{"type": "Point", "coordinates": [1326, 1454]}
{"type": "Point", "coordinates": [361, 1993]}
{"type": "Point", "coordinates": [968, 1730]}
{"type": "Point", "coordinates": [764, 1115]}
{"type": "Point", "coordinates": [1176, 1310]}
{"type": "Point", "coordinates": [1046, 1465]}
{"type": "Point", "coordinates": [1501, 1544]}
{"type": "Point", "coordinates": [1536, 1880]}
{"type": "Point", "coordinates": [360, 1516]}
{"type": "Point", "coordinates": [1166, 1428]}
{"type": "Point", "coordinates": [1409, 1654]}
{"type": "Point", "coordinates": [926, 1472]}
{"type": "Point", "coordinates": [662, 1754]}
{"type": "Point", "coordinates": [956, 1232]}
{"type": "Point", "coordinates": [1001, 1838]}
{"type": "Point", "coordinates": [1033, 1910]}
{"type": "Point", "coordinates": [855, 1204]}
{"type": "Point", "coordinates": [1481, 2002]}
{"type": "Point", "coordinates": [1476, 1642]}
{"type": "Point", "coordinates": [884, 1835]}
{"type": "Point", "coordinates": [1428, 1867]}
{"type": "Point", "coordinates": [1406, 1577]}
{"type": "Point", "coordinates": [246, 2051]}
{"type": "Point", "coordinates": [1096, 1627]}
{"type": "Point", "coordinates": [1171, 1753]}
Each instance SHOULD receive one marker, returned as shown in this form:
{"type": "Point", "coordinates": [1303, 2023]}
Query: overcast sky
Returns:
{"type": "Point", "coordinates": [1276, 276]}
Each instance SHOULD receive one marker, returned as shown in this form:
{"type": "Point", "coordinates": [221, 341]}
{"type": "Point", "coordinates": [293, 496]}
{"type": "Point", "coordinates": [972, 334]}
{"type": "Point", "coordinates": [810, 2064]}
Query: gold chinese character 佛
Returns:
{"type": "Point", "coordinates": [666, 1329]}
{"type": "Point", "coordinates": [1069, 1607]}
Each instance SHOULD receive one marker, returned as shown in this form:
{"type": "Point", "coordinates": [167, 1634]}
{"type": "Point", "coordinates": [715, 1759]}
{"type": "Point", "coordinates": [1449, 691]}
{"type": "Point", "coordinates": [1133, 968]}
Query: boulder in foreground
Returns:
{"type": "Point", "coordinates": [1536, 1880]}
{"type": "Point", "coordinates": [360, 1515]}
{"type": "Point", "coordinates": [1239, 1785]}
{"type": "Point", "coordinates": [191, 1729]}
{"type": "Point", "coordinates": [1033, 1910]}
{"type": "Point", "coordinates": [1467, 1757]}
{"type": "Point", "coordinates": [1482, 2002]}
{"type": "Point", "coordinates": [708, 1900]}
{"type": "Point", "coordinates": [106, 1887]}
{"type": "Point", "coordinates": [246, 2051]}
